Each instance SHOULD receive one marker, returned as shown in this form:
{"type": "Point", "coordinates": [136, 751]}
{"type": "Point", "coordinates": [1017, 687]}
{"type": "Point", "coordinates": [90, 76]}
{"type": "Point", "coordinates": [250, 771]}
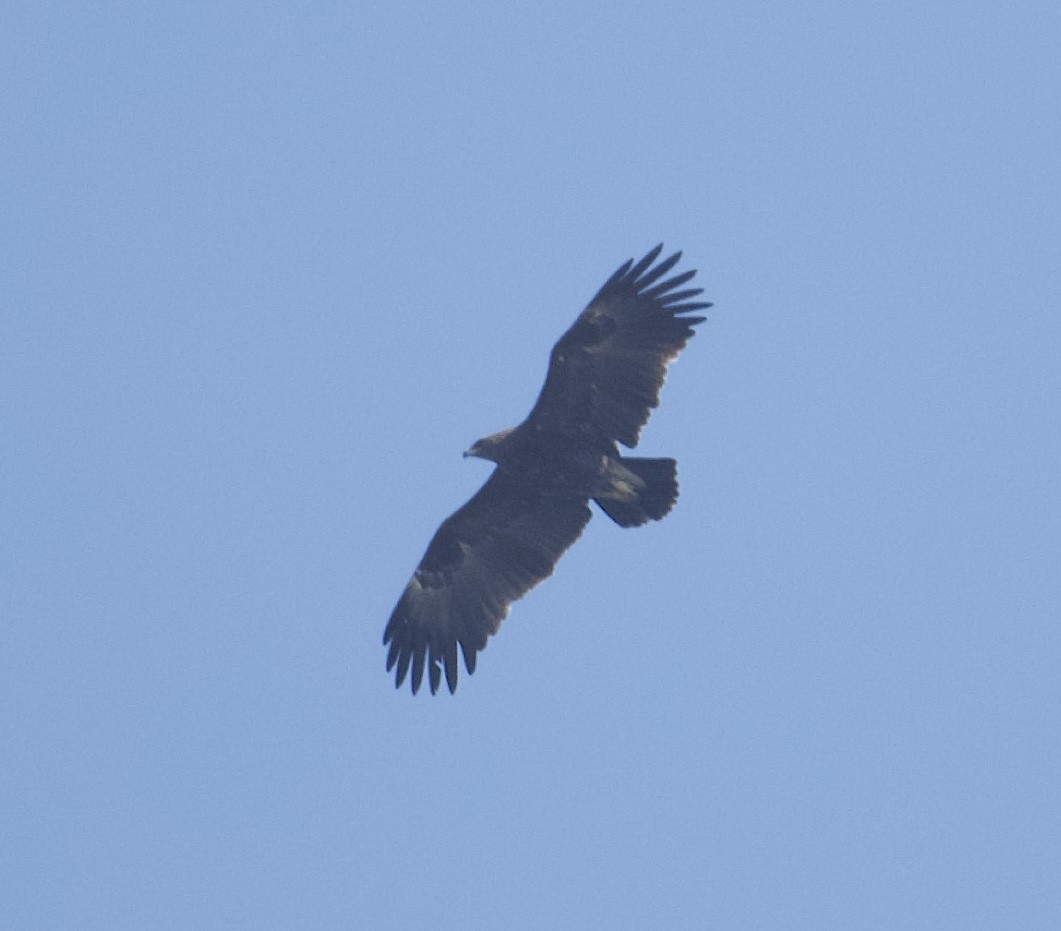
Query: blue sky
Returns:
{"type": "Point", "coordinates": [268, 270]}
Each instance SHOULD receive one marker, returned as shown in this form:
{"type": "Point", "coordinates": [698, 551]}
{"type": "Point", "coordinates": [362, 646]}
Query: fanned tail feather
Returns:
{"type": "Point", "coordinates": [652, 501]}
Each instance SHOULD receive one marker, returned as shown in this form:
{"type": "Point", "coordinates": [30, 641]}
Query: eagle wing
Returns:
{"type": "Point", "coordinates": [495, 549]}
{"type": "Point", "coordinates": [606, 371]}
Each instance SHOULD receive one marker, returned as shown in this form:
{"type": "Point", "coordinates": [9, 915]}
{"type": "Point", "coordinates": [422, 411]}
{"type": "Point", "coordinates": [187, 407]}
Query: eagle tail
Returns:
{"type": "Point", "coordinates": [650, 496]}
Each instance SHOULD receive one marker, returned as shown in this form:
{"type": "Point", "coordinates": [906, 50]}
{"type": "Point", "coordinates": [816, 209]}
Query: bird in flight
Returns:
{"type": "Point", "coordinates": [604, 379]}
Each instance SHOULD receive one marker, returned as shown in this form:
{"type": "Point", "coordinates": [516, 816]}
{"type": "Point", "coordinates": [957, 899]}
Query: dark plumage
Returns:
{"type": "Point", "coordinates": [604, 379]}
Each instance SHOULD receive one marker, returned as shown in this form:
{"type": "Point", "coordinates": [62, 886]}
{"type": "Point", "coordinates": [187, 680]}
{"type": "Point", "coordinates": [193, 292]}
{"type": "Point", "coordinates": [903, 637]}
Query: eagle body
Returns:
{"type": "Point", "coordinates": [605, 375]}
{"type": "Point", "coordinates": [548, 460]}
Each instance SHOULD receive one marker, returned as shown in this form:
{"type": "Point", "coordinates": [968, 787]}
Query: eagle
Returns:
{"type": "Point", "coordinates": [604, 379]}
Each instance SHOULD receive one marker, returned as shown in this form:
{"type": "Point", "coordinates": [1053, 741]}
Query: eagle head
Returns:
{"type": "Point", "coordinates": [488, 447]}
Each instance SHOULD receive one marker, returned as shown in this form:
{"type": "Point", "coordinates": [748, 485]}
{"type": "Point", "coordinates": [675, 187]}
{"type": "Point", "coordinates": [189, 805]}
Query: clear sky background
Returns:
{"type": "Point", "coordinates": [267, 269]}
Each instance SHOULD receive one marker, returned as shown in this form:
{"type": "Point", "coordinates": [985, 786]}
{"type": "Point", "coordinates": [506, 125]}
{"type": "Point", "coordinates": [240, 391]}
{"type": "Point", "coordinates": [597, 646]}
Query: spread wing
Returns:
{"type": "Point", "coordinates": [606, 371]}
{"type": "Point", "coordinates": [495, 549]}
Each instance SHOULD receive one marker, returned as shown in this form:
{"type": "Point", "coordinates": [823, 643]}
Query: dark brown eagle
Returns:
{"type": "Point", "coordinates": [604, 379]}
